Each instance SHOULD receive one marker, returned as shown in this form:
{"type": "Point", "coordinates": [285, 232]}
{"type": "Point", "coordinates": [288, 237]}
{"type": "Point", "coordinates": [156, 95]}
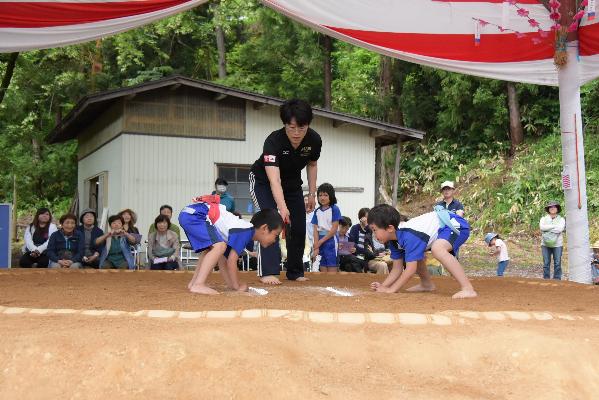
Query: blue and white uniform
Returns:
{"type": "Point", "coordinates": [323, 218]}
{"type": "Point", "coordinates": [417, 235]}
{"type": "Point", "coordinates": [207, 224]}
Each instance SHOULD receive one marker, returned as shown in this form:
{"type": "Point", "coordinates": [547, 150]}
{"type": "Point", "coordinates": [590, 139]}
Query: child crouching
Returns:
{"type": "Point", "coordinates": [440, 231]}
{"type": "Point", "coordinates": [209, 226]}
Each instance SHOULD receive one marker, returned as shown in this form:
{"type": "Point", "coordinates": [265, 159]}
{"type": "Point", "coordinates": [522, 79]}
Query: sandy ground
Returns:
{"type": "Point", "coordinates": [75, 356]}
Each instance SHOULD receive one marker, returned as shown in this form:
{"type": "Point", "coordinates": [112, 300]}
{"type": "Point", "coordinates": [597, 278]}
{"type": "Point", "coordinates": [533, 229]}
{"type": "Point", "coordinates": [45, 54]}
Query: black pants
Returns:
{"type": "Point", "coordinates": [269, 258]}
{"type": "Point", "coordinates": [169, 266]}
{"type": "Point", "coordinates": [351, 263]}
{"type": "Point", "coordinates": [27, 261]}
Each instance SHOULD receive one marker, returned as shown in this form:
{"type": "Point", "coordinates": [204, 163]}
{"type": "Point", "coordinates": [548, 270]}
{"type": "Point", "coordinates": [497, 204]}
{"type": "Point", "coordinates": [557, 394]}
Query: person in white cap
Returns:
{"type": "Point", "coordinates": [448, 202]}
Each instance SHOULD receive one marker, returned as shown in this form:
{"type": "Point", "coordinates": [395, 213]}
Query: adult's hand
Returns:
{"type": "Point", "coordinates": [284, 214]}
{"type": "Point", "coordinates": [311, 204]}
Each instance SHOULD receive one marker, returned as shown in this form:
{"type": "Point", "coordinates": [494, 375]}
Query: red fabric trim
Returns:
{"type": "Point", "coordinates": [461, 47]}
{"type": "Point", "coordinates": [588, 37]}
{"type": "Point", "coordinates": [48, 14]}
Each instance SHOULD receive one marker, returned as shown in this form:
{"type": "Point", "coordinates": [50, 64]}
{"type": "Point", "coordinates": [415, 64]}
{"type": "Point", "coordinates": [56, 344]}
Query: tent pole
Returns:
{"type": "Point", "coordinates": [577, 222]}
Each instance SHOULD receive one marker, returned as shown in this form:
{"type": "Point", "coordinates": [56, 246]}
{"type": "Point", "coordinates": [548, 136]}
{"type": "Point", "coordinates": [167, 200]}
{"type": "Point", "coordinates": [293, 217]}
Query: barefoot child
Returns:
{"type": "Point", "coordinates": [209, 226]}
{"type": "Point", "coordinates": [498, 248]}
{"type": "Point", "coordinates": [326, 222]}
{"type": "Point", "coordinates": [410, 241]}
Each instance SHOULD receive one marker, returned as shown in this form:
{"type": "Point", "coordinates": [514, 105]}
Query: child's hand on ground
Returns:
{"type": "Point", "coordinates": [375, 285]}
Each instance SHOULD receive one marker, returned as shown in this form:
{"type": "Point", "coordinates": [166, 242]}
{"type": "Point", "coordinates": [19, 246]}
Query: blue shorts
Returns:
{"type": "Point", "coordinates": [200, 232]}
{"type": "Point", "coordinates": [328, 253]}
{"type": "Point", "coordinates": [239, 239]}
{"type": "Point", "coordinates": [456, 240]}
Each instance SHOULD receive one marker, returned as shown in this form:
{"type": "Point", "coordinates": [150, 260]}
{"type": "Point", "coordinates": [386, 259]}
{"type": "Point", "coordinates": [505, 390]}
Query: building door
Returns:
{"type": "Point", "coordinates": [96, 192]}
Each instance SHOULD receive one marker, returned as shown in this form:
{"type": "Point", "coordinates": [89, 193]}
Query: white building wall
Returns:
{"type": "Point", "coordinates": [108, 159]}
{"type": "Point", "coordinates": [171, 170]}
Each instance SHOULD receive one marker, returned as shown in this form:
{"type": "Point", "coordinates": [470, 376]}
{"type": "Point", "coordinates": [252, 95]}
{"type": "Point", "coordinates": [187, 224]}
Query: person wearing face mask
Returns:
{"type": "Point", "coordinates": [220, 186]}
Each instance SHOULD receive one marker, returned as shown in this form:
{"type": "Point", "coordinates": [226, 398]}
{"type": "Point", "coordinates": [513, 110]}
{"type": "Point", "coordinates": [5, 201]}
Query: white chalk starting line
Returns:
{"type": "Point", "coordinates": [440, 319]}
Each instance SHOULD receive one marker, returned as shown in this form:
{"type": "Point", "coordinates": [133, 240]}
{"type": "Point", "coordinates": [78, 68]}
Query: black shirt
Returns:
{"type": "Point", "coordinates": [278, 152]}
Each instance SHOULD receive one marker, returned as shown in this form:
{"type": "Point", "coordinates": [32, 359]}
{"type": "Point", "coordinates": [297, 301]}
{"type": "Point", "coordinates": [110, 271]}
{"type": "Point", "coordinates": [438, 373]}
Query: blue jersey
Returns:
{"type": "Point", "coordinates": [324, 218]}
{"type": "Point", "coordinates": [417, 235]}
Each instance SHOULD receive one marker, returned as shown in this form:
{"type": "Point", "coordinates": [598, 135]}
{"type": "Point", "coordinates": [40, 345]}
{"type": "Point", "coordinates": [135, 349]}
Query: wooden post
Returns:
{"type": "Point", "coordinates": [396, 172]}
{"type": "Point", "coordinates": [14, 209]}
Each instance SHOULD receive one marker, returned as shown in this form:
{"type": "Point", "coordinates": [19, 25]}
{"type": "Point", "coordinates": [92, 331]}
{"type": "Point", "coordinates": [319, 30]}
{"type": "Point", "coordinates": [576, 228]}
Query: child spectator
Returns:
{"type": "Point", "coordinates": [595, 263]}
{"type": "Point", "coordinates": [37, 236]}
{"type": "Point", "coordinates": [117, 251]}
{"type": "Point", "coordinates": [209, 226]}
{"type": "Point", "coordinates": [498, 248]}
{"type": "Point", "coordinates": [361, 235]}
{"type": "Point", "coordinates": [441, 231]}
{"type": "Point", "coordinates": [90, 232]}
{"type": "Point", "coordinates": [220, 188]}
{"type": "Point", "coordinates": [309, 243]}
{"type": "Point", "coordinates": [347, 260]}
{"type": "Point", "coordinates": [65, 247]}
{"type": "Point", "coordinates": [163, 246]}
{"type": "Point", "coordinates": [326, 222]}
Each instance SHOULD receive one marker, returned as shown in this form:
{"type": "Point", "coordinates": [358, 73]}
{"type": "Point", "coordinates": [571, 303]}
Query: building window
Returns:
{"type": "Point", "coordinates": [237, 176]}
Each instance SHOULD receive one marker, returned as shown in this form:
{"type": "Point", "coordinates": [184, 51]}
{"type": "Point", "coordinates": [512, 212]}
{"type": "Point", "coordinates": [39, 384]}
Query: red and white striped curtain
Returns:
{"type": "Point", "coordinates": [445, 34]}
{"type": "Point", "coordinates": [39, 24]}
{"type": "Point", "coordinates": [442, 34]}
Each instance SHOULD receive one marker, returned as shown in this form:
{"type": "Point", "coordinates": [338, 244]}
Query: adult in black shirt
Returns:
{"type": "Point", "coordinates": [275, 182]}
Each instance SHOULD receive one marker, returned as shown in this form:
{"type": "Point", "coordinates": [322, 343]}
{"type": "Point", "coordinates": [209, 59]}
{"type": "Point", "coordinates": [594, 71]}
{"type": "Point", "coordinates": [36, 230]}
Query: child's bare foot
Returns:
{"type": "Point", "coordinates": [270, 280]}
{"type": "Point", "coordinates": [242, 287]}
{"type": "Point", "coordinates": [202, 289]}
{"type": "Point", "coordinates": [465, 294]}
{"type": "Point", "coordinates": [422, 288]}
{"type": "Point", "coordinates": [375, 285]}
{"type": "Point", "coordinates": [302, 279]}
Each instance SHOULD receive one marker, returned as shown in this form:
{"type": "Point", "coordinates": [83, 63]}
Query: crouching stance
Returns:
{"type": "Point", "coordinates": [209, 226]}
{"type": "Point", "coordinates": [442, 232]}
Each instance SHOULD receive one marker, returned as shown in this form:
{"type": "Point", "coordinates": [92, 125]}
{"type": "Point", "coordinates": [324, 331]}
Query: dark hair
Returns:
{"type": "Point", "coordinates": [383, 215]}
{"type": "Point", "coordinates": [237, 214]}
{"type": "Point", "coordinates": [36, 222]}
{"type": "Point", "coordinates": [268, 216]}
{"type": "Point", "coordinates": [165, 206]}
{"type": "Point", "coordinates": [68, 216]}
{"type": "Point", "coordinates": [131, 213]}
{"type": "Point", "coordinates": [117, 217]}
{"type": "Point", "coordinates": [221, 181]}
{"type": "Point", "coordinates": [162, 218]}
{"type": "Point", "coordinates": [403, 218]}
{"type": "Point", "coordinates": [363, 211]}
{"type": "Point", "coordinates": [328, 189]}
{"type": "Point", "coordinates": [298, 109]}
{"type": "Point", "coordinates": [345, 221]}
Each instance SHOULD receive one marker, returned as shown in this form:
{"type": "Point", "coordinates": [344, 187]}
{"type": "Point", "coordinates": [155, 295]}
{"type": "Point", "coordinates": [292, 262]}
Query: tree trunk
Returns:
{"type": "Point", "coordinates": [516, 132]}
{"type": "Point", "coordinates": [220, 45]}
{"type": "Point", "coordinates": [385, 76]}
{"type": "Point", "coordinates": [396, 172]}
{"type": "Point", "coordinates": [328, 73]}
{"type": "Point", "coordinates": [10, 69]}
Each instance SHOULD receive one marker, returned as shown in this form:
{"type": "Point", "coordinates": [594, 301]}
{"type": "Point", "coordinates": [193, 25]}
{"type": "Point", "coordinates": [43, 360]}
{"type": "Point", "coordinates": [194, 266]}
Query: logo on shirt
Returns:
{"type": "Point", "coordinates": [269, 158]}
{"type": "Point", "coordinates": [306, 150]}
{"type": "Point", "coordinates": [285, 152]}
